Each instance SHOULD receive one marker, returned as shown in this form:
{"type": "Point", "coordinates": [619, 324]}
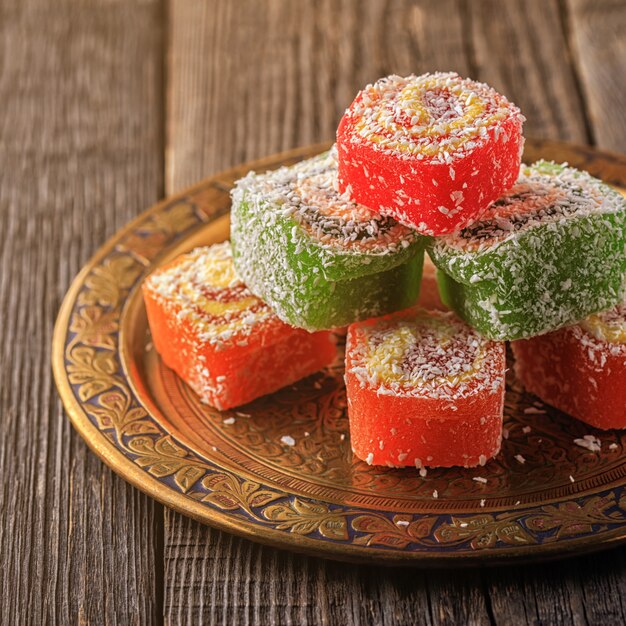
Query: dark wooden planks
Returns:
{"type": "Point", "coordinates": [520, 48]}
{"type": "Point", "coordinates": [215, 578]}
{"type": "Point", "coordinates": [597, 29]}
{"type": "Point", "coordinates": [80, 154]}
{"type": "Point", "coordinates": [584, 590]}
{"type": "Point", "coordinates": [247, 79]}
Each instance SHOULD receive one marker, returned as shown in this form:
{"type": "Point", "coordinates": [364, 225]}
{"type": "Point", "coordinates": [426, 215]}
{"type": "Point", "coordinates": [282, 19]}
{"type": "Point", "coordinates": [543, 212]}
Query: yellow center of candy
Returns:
{"type": "Point", "coordinates": [422, 351]}
{"type": "Point", "coordinates": [430, 123]}
{"type": "Point", "coordinates": [205, 288]}
{"type": "Point", "coordinates": [219, 271]}
{"type": "Point", "coordinates": [218, 308]}
{"type": "Point", "coordinates": [609, 326]}
{"type": "Point", "coordinates": [426, 110]}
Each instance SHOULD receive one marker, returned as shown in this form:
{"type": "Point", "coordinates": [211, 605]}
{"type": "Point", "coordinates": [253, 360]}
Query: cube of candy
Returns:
{"type": "Point", "coordinates": [580, 369]}
{"type": "Point", "coordinates": [546, 254]}
{"type": "Point", "coordinates": [423, 389]}
{"type": "Point", "coordinates": [319, 260]}
{"type": "Point", "coordinates": [433, 151]}
{"type": "Point", "coordinates": [224, 342]}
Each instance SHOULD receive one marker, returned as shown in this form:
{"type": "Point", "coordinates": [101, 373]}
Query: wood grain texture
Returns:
{"type": "Point", "coordinates": [80, 154]}
{"type": "Point", "coordinates": [215, 578]}
{"type": "Point", "coordinates": [247, 79]}
{"type": "Point", "coordinates": [520, 48]}
{"type": "Point", "coordinates": [254, 79]}
{"type": "Point", "coordinates": [597, 29]}
{"type": "Point", "coordinates": [81, 151]}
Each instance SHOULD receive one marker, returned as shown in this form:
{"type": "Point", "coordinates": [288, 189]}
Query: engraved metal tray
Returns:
{"type": "Point", "coordinates": [231, 470]}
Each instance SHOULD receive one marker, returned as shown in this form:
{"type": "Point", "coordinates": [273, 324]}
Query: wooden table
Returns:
{"type": "Point", "coordinates": [107, 106]}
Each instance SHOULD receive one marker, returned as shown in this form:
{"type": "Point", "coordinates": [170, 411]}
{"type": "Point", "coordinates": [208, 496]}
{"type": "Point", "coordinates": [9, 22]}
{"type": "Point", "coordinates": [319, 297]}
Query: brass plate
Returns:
{"type": "Point", "coordinates": [230, 469]}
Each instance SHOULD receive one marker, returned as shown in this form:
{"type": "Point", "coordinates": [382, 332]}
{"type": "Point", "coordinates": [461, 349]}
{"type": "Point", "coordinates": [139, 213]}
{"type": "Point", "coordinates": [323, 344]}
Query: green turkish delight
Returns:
{"type": "Point", "coordinates": [317, 258]}
{"type": "Point", "coordinates": [548, 253]}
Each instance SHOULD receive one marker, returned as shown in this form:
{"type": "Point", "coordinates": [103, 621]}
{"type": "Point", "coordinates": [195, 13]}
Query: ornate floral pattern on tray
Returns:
{"type": "Point", "coordinates": [543, 495]}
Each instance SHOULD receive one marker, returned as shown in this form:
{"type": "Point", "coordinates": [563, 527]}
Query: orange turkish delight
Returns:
{"type": "Point", "coordinates": [580, 369]}
{"type": "Point", "coordinates": [223, 341]}
{"type": "Point", "coordinates": [424, 389]}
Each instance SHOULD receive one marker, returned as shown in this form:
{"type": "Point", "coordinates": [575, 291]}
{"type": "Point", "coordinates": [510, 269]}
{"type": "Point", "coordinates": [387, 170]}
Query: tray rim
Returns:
{"type": "Point", "coordinates": [125, 467]}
